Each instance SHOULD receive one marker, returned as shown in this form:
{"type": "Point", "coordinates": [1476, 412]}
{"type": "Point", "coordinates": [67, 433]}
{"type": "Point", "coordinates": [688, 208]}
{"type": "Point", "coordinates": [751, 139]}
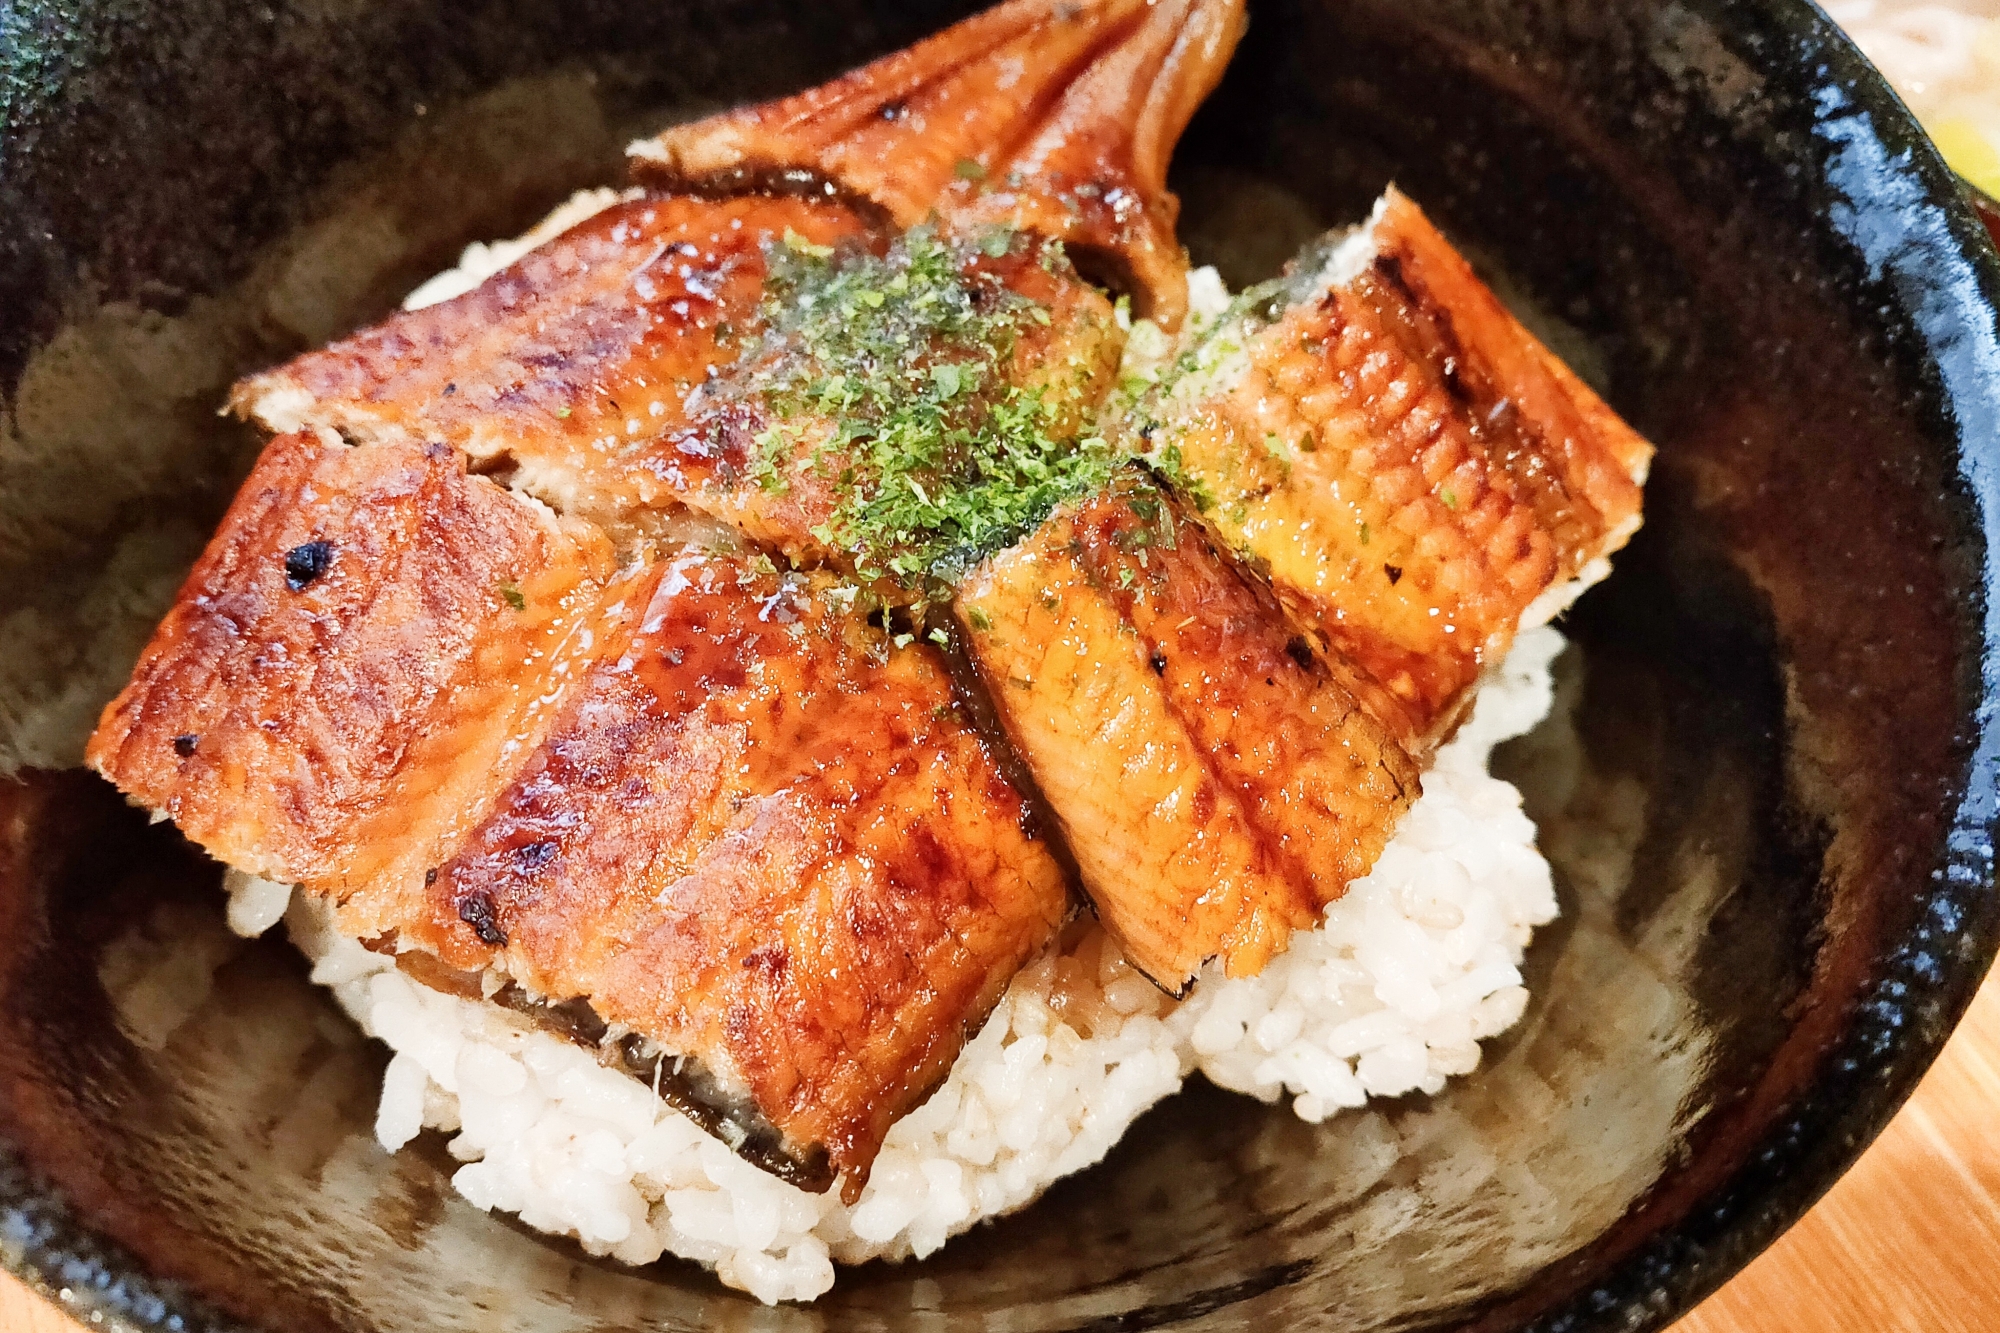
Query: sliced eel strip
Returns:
{"type": "Point", "coordinates": [1216, 778]}
{"type": "Point", "coordinates": [771, 844]}
{"type": "Point", "coordinates": [1410, 467]}
{"type": "Point", "coordinates": [555, 373]}
{"type": "Point", "coordinates": [369, 639]}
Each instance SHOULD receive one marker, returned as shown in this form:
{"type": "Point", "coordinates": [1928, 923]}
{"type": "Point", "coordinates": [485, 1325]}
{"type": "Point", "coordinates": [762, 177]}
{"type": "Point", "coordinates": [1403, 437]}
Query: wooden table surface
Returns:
{"type": "Point", "coordinates": [1907, 1242]}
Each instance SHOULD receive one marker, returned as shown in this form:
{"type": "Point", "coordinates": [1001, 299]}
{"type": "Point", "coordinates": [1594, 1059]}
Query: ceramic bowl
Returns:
{"type": "Point", "coordinates": [1768, 790]}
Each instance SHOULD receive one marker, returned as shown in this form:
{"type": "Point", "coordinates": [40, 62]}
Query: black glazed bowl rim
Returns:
{"type": "Point", "coordinates": [1945, 276]}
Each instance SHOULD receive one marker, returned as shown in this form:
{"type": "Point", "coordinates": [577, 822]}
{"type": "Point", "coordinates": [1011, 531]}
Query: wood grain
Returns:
{"type": "Point", "coordinates": [1907, 1242]}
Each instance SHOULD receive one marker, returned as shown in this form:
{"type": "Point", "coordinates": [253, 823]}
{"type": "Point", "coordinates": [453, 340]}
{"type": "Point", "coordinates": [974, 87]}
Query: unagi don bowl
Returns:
{"type": "Point", "coordinates": [1768, 789]}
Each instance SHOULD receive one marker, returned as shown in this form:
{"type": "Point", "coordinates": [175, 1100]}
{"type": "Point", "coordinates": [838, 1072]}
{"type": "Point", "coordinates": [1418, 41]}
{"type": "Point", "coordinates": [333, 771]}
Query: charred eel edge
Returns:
{"type": "Point", "coordinates": [680, 1081]}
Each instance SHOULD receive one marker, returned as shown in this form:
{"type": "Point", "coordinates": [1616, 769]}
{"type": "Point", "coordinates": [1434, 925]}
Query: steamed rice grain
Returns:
{"type": "Point", "coordinates": [1392, 994]}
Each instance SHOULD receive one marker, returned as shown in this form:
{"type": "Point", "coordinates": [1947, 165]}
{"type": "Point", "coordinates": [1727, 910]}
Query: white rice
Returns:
{"type": "Point", "coordinates": [1392, 994]}
{"type": "Point", "coordinates": [1415, 966]}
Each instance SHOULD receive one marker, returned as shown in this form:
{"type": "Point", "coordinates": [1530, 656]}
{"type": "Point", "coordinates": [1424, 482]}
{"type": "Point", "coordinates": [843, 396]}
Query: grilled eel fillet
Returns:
{"type": "Point", "coordinates": [397, 672]}
{"type": "Point", "coordinates": [1408, 465]}
{"type": "Point", "coordinates": [704, 797]}
{"type": "Point", "coordinates": [1410, 475]}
